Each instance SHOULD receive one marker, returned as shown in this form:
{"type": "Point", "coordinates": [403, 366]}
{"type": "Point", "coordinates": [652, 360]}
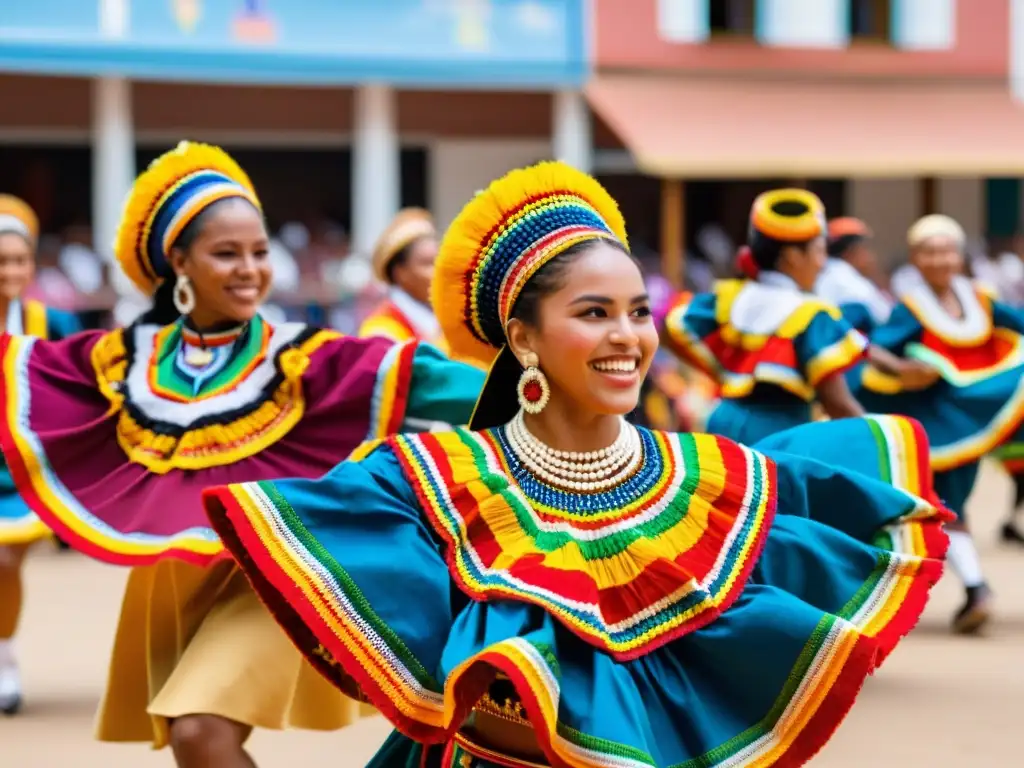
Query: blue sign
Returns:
{"type": "Point", "coordinates": [484, 43]}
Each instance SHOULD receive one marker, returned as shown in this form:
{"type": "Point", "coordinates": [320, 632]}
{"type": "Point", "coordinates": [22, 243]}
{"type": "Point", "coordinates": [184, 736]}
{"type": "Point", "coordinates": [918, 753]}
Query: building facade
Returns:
{"type": "Point", "coordinates": [409, 101]}
{"type": "Point", "coordinates": [889, 108]}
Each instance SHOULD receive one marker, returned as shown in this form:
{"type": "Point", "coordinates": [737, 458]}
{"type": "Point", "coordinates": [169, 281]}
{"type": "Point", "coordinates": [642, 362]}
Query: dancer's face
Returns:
{"type": "Point", "coordinates": [939, 260]}
{"type": "Point", "coordinates": [414, 273]}
{"type": "Point", "coordinates": [17, 265]}
{"type": "Point", "coordinates": [594, 335]}
{"type": "Point", "coordinates": [804, 263]}
{"type": "Point", "coordinates": [228, 264]}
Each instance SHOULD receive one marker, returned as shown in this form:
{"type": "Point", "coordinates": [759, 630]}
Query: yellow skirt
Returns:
{"type": "Point", "coordinates": [196, 640]}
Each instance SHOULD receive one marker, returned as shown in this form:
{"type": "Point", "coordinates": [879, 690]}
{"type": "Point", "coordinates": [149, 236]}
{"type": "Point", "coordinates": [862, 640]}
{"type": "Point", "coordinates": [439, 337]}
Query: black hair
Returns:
{"type": "Point", "coordinates": [550, 278]}
{"type": "Point", "coordinates": [400, 258]}
{"type": "Point", "coordinates": [163, 312]}
{"type": "Point", "coordinates": [397, 260]}
{"type": "Point", "coordinates": [766, 250]}
{"type": "Point", "coordinates": [841, 245]}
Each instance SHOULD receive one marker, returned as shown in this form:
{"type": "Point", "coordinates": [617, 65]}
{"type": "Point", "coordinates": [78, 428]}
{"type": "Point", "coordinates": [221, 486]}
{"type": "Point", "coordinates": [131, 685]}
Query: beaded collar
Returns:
{"type": "Point", "coordinates": [627, 569]}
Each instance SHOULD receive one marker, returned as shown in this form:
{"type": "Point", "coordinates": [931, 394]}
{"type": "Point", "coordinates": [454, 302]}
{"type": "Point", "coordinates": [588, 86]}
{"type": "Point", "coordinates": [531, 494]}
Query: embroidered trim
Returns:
{"type": "Point", "coordinates": [238, 430]}
{"type": "Point", "coordinates": [972, 329]}
{"type": "Point", "coordinates": [316, 601]}
{"type": "Point", "coordinates": [740, 360]}
{"type": "Point", "coordinates": [624, 552]}
{"type": "Point", "coordinates": [48, 497]}
{"type": "Point", "coordinates": [390, 398]}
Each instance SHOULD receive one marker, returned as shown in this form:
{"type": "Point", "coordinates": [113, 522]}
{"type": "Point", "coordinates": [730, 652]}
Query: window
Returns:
{"type": "Point", "coordinates": [870, 19]}
{"type": "Point", "coordinates": [732, 17]}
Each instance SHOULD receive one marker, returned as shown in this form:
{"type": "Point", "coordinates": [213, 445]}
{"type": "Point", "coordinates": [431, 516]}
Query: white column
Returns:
{"type": "Point", "coordinates": [113, 138]}
{"type": "Point", "coordinates": [113, 157]}
{"type": "Point", "coordinates": [571, 140]}
{"type": "Point", "coordinates": [376, 170]}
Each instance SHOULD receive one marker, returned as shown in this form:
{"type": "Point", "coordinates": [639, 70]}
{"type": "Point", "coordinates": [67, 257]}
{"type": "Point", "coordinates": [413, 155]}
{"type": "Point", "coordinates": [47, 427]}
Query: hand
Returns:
{"type": "Point", "coordinates": [915, 375]}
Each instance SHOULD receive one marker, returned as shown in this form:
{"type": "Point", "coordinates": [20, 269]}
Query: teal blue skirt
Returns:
{"type": "Point", "coordinates": [749, 420]}
{"type": "Point", "coordinates": [352, 568]}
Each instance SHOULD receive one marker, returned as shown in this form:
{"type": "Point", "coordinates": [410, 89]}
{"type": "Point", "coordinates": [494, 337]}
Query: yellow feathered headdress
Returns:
{"type": "Point", "coordinates": [502, 237]}
{"type": "Point", "coordinates": [165, 198]}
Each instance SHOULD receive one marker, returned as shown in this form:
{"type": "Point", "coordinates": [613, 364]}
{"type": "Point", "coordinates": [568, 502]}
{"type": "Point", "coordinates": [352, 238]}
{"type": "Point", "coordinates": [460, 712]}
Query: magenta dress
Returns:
{"type": "Point", "coordinates": [111, 436]}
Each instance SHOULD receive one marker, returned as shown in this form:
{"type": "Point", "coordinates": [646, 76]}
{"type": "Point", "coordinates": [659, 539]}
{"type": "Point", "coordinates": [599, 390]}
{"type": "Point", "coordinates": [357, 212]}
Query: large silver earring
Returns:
{"type": "Point", "coordinates": [533, 389]}
{"type": "Point", "coordinates": [184, 295]}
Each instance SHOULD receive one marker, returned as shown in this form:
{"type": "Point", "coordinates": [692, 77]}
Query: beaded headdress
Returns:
{"type": "Point", "coordinates": [17, 216]}
{"type": "Point", "coordinates": [165, 198]}
{"type": "Point", "coordinates": [502, 237]}
{"type": "Point", "coordinates": [409, 224]}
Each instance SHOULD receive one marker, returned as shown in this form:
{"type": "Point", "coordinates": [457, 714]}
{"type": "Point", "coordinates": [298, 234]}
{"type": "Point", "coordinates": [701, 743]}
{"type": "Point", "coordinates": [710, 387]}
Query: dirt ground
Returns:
{"type": "Point", "coordinates": [940, 701]}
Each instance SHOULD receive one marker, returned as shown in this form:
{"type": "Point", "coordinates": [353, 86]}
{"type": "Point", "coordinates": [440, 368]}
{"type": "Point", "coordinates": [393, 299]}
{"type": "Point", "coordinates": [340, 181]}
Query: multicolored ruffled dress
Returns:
{"type": "Point", "coordinates": [18, 524]}
{"type": "Point", "coordinates": [111, 437]}
{"type": "Point", "coordinates": [768, 345]}
{"type": "Point", "coordinates": [719, 605]}
{"type": "Point", "coordinates": [715, 625]}
{"type": "Point", "coordinates": [978, 404]}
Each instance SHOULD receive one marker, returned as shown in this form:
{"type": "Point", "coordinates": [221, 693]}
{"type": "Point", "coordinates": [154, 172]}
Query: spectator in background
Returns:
{"type": "Point", "coordinates": [845, 280]}
{"type": "Point", "coordinates": [1001, 270]}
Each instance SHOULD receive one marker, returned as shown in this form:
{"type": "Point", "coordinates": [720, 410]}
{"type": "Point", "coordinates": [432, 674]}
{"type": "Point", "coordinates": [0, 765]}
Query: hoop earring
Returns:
{"type": "Point", "coordinates": [533, 389]}
{"type": "Point", "coordinates": [184, 295]}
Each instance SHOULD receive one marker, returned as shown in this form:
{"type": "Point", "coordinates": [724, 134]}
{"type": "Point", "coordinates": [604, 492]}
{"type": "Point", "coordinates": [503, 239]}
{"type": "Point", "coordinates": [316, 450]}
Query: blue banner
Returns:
{"type": "Point", "coordinates": [427, 43]}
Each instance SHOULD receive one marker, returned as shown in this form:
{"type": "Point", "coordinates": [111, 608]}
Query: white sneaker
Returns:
{"type": "Point", "coordinates": [10, 690]}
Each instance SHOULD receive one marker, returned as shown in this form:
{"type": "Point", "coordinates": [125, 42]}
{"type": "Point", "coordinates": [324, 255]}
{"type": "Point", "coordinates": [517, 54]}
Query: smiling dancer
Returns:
{"type": "Point", "coordinates": [561, 588]}
{"type": "Point", "coordinates": [111, 437]}
{"type": "Point", "coordinates": [19, 527]}
{"type": "Point", "coordinates": [774, 347]}
{"type": "Point", "coordinates": [977, 346]}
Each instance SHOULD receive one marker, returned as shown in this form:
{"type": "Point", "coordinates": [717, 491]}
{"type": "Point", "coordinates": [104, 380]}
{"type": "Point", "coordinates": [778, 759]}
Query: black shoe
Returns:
{"type": "Point", "coordinates": [975, 613]}
{"type": "Point", "coordinates": [11, 707]}
{"type": "Point", "coordinates": [1011, 534]}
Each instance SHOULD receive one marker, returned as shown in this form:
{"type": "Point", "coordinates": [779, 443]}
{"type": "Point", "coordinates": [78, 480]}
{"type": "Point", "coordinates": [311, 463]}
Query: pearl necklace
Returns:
{"type": "Point", "coordinates": [588, 471]}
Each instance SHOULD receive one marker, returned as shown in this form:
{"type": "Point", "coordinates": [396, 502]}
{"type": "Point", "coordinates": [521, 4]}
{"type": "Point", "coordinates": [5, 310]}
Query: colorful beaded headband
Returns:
{"type": "Point", "coordinates": [175, 189]}
{"type": "Point", "coordinates": [499, 241]}
{"type": "Point", "coordinates": [788, 215]}
{"type": "Point", "coordinates": [17, 217]}
{"type": "Point", "coordinates": [408, 225]}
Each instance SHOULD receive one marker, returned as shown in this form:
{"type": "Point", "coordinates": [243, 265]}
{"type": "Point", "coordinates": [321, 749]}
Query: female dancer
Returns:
{"type": "Point", "coordinates": [843, 281]}
{"type": "Point", "coordinates": [110, 438]}
{"type": "Point", "coordinates": [772, 346]}
{"type": "Point", "coordinates": [563, 588]}
{"type": "Point", "coordinates": [19, 527]}
{"type": "Point", "coordinates": [404, 260]}
{"type": "Point", "coordinates": [977, 345]}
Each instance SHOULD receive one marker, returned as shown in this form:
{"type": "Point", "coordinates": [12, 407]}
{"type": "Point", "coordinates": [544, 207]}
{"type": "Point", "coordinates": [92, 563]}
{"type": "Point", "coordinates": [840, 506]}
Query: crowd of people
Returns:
{"type": "Point", "coordinates": [490, 515]}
